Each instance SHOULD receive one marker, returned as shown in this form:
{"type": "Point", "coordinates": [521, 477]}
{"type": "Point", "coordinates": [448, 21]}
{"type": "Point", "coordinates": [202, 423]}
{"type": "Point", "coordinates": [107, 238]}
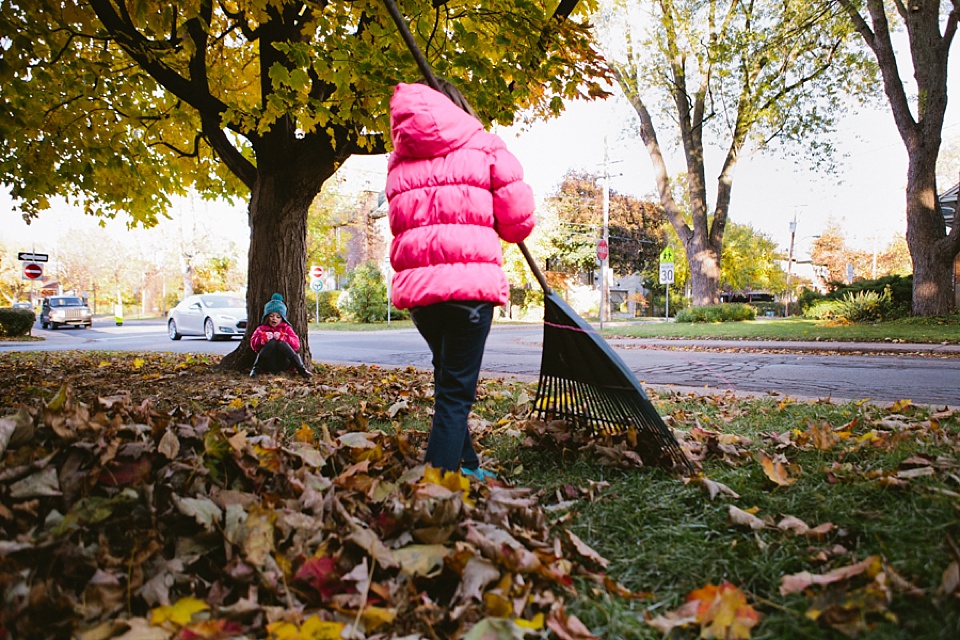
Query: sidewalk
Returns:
{"type": "Point", "coordinates": [811, 346]}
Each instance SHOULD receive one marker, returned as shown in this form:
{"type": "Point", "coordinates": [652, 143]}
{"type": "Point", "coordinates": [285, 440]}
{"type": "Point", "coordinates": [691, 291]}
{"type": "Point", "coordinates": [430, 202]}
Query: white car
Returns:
{"type": "Point", "coordinates": [214, 316]}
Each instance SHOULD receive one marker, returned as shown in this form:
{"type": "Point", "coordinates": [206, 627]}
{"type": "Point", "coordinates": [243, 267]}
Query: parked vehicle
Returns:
{"type": "Point", "coordinates": [214, 316]}
{"type": "Point", "coordinates": [23, 305]}
{"type": "Point", "coordinates": [57, 311]}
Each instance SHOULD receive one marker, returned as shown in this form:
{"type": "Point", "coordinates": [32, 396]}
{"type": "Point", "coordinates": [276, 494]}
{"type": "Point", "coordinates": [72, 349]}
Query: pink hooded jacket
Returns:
{"type": "Point", "coordinates": [454, 192]}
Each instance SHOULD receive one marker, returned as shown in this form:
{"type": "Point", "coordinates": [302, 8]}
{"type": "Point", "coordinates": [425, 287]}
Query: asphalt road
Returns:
{"type": "Point", "coordinates": [514, 350]}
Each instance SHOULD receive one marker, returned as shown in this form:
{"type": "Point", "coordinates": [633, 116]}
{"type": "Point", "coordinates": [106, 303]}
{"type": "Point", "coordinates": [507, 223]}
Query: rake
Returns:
{"type": "Point", "coordinates": [582, 379]}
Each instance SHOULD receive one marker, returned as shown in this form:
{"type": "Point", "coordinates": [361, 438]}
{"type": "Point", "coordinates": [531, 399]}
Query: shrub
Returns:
{"type": "Point", "coordinates": [896, 291]}
{"type": "Point", "coordinates": [865, 305]}
{"type": "Point", "coordinates": [657, 303]}
{"type": "Point", "coordinates": [16, 322]}
{"type": "Point", "coordinates": [367, 295]}
{"type": "Point", "coordinates": [822, 309]}
{"type": "Point", "coordinates": [328, 311]}
{"type": "Point", "coordinates": [727, 312]}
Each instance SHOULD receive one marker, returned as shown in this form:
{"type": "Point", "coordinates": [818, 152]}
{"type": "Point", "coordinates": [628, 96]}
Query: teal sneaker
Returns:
{"type": "Point", "coordinates": [479, 474]}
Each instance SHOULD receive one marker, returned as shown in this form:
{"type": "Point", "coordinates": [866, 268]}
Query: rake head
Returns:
{"type": "Point", "coordinates": [584, 382]}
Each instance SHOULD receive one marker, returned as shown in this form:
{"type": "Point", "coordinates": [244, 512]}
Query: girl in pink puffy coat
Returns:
{"type": "Point", "coordinates": [454, 192]}
{"type": "Point", "coordinates": [275, 342]}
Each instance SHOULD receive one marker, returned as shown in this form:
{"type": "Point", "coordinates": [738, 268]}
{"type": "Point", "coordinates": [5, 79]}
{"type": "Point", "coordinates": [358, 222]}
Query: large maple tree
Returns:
{"type": "Point", "coordinates": [117, 104]}
{"type": "Point", "coordinates": [930, 28]}
{"type": "Point", "coordinates": [724, 78]}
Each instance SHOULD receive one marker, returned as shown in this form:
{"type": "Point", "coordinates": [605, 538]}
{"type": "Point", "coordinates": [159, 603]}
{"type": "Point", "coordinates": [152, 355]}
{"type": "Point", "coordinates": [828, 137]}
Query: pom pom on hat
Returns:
{"type": "Point", "coordinates": [275, 306]}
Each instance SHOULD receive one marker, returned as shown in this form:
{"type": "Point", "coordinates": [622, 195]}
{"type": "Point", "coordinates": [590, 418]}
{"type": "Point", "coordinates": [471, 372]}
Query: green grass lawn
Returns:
{"type": "Point", "coordinates": [916, 330]}
{"type": "Point", "coordinates": [910, 330]}
{"type": "Point", "coordinates": [361, 326]}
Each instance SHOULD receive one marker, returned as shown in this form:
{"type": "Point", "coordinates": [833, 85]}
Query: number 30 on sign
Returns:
{"type": "Point", "coordinates": [666, 273]}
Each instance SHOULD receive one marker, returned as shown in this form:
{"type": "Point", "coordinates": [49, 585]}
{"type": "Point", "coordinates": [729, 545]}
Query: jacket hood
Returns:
{"type": "Point", "coordinates": [425, 123]}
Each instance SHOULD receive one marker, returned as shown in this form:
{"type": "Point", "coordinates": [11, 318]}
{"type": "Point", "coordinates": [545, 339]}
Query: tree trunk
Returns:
{"type": "Point", "coordinates": [931, 250]}
{"type": "Point", "coordinates": [277, 258]}
{"type": "Point", "coordinates": [704, 262]}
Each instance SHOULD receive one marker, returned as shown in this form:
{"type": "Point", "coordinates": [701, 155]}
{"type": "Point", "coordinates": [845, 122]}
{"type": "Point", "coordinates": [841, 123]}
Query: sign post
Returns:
{"type": "Point", "coordinates": [603, 252]}
{"type": "Point", "coordinates": [666, 275]}
{"type": "Point", "coordinates": [316, 285]}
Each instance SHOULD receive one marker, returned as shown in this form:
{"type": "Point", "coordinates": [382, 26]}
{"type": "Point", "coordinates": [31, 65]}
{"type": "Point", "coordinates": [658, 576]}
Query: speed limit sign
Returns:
{"type": "Point", "coordinates": [666, 273]}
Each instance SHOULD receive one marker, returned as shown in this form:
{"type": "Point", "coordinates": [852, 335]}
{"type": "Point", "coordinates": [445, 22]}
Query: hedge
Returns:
{"type": "Point", "coordinates": [16, 322]}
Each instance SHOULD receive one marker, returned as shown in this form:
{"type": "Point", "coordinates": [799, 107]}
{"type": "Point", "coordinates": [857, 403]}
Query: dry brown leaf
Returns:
{"type": "Point", "coordinates": [777, 469]}
{"type": "Point", "coordinates": [950, 580]}
{"type": "Point", "coordinates": [568, 627]}
{"type": "Point", "coordinates": [714, 488]}
{"type": "Point", "coordinates": [744, 519]}
{"type": "Point", "coordinates": [797, 582]}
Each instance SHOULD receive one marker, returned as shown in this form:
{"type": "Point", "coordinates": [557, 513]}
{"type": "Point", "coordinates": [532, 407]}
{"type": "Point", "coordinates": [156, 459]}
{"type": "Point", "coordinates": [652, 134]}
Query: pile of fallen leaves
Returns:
{"type": "Point", "coordinates": [122, 521]}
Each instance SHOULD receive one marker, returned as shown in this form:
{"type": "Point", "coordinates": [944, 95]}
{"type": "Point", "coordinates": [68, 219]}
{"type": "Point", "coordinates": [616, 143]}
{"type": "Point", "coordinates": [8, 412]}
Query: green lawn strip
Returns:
{"type": "Point", "coordinates": [910, 330]}
{"type": "Point", "coordinates": [361, 326]}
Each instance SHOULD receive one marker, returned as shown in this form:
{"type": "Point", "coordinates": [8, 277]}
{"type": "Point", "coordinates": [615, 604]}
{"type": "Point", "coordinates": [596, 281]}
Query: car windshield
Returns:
{"type": "Point", "coordinates": [223, 302]}
{"type": "Point", "coordinates": [66, 302]}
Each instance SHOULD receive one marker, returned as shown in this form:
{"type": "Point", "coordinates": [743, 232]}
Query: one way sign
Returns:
{"type": "Point", "coordinates": [32, 257]}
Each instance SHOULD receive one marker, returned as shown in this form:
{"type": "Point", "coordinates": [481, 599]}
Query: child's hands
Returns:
{"type": "Point", "coordinates": [272, 336]}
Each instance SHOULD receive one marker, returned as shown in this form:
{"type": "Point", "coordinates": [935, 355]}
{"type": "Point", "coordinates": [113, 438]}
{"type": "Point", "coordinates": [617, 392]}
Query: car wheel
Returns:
{"type": "Point", "coordinates": [172, 330]}
{"type": "Point", "coordinates": [43, 325]}
{"type": "Point", "coordinates": [208, 331]}
{"type": "Point", "coordinates": [54, 326]}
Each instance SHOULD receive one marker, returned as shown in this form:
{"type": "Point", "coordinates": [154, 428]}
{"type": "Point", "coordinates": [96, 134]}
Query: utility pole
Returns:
{"type": "Point", "coordinates": [605, 262]}
{"type": "Point", "coordinates": [789, 292]}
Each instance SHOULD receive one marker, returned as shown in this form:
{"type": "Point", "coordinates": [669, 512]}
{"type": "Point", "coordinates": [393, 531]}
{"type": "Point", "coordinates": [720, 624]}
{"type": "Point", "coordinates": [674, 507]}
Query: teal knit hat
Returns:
{"type": "Point", "coordinates": [275, 305]}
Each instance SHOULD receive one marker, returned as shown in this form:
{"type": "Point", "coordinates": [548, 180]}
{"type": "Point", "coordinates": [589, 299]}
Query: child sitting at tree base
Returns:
{"type": "Point", "coordinates": [275, 342]}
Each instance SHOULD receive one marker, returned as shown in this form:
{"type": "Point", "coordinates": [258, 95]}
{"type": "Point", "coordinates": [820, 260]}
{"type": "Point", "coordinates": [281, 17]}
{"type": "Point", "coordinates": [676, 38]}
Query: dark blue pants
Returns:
{"type": "Point", "coordinates": [277, 356]}
{"type": "Point", "coordinates": [456, 333]}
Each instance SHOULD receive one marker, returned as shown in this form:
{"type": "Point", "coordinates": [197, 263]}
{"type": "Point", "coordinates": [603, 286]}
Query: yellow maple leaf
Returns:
{"type": "Point", "coordinates": [723, 612]}
{"type": "Point", "coordinates": [451, 480]}
{"type": "Point", "coordinates": [536, 623]}
{"type": "Point", "coordinates": [138, 363]}
{"type": "Point", "coordinates": [305, 434]}
{"type": "Point", "coordinates": [375, 617]}
{"type": "Point", "coordinates": [496, 605]}
{"type": "Point", "coordinates": [313, 628]}
{"type": "Point", "coordinates": [282, 630]}
{"type": "Point", "coordinates": [179, 613]}
{"type": "Point", "coordinates": [900, 405]}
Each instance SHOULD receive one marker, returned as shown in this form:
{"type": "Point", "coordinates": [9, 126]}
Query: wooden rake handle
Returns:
{"type": "Point", "coordinates": [432, 80]}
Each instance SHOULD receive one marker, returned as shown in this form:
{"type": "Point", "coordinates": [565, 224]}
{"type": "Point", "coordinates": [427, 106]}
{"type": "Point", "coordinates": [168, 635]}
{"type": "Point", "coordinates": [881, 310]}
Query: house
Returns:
{"type": "Point", "coordinates": [948, 204]}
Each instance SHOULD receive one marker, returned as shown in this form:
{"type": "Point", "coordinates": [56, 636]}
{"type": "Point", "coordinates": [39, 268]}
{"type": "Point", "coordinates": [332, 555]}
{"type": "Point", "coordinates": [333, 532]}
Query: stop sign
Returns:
{"type": "Point", "coordinates": [316, 272]}
{"type": "Point", "coordinates": [32, 271]}
{"type": "Point", "coordinates": [602, 250]}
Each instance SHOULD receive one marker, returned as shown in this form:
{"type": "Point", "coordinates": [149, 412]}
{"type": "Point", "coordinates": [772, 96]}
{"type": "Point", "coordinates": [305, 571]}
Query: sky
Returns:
{"type": "Point", "coordinates": [866, 197]}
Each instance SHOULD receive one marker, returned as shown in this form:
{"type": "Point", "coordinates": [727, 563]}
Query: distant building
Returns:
{"type": "Point", "coordinates": [948, 204]}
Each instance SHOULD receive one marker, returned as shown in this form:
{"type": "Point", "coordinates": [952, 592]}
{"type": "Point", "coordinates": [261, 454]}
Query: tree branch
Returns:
{"type": "Point", "coordinates": [128, 38]}
{"type": "Point", "coordinates": [878, 39]}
